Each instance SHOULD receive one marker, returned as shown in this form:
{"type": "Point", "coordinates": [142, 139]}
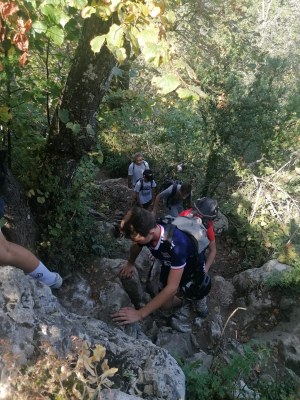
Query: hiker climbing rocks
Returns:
{"type": "Point", "coordinates": [179, 258]}
{"type": "Point", "coordinates": [174, 197]}
{"type": "Point", "coordinates": [144, 189]}
{"type": "Point", "coordinates": [136, 169]}
{"type": "Point", "coordinates": [207, 209]}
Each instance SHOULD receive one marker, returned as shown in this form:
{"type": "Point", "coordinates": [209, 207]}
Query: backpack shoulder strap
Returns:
{"type": "Point", "coordinates": [169, 231]}
{"type": "Point", "coordinates": [141, 180]}
{"type": "Point", "coordinates": [173, 192]}
{"type": "Point", "coordinates": [174, 189]}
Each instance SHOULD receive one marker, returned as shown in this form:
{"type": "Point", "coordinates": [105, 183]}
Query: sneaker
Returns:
{"type": "Point", "coordinates": [57, 282]}
{"type": "Point", "coordinates": [201, 307]}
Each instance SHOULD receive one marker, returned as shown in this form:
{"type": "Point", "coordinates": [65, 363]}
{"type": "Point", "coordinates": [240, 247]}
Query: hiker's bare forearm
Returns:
{"type": "Point", "coordinates": [155, 204]}
{"type": "Point", "coordinates": [134, 252]}
{"type": "Point", "coordinates": [211, 256]}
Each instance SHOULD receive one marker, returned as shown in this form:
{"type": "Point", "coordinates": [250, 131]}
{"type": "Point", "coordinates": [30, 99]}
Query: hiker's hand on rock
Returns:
{"type": "Point", "coordinates": [127, 271]}
{"type": "Point", "coordinates": [126, 315]}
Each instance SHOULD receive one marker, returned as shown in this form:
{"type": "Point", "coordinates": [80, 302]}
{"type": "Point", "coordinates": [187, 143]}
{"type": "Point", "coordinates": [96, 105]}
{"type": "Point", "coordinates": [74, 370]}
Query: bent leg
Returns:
{"type": "Point", "coordinates": [17, 256]}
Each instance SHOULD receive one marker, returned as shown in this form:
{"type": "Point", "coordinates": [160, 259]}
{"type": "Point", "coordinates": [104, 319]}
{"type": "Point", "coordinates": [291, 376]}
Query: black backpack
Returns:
{"type": "Point", "coordinates": [166, 184]}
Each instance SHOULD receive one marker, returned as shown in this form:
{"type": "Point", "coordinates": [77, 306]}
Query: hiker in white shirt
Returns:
{"type": "Point", "coordinates": [136, 169]}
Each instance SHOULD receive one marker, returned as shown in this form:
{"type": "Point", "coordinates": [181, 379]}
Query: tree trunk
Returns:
{"type": "Point", "coordinates": [87, 83]}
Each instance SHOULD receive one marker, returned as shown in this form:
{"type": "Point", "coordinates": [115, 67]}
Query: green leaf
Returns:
{"type": "Point", "coordinates": [184, 93]}
{"type": "Point", "coordinates": [56, 34]}
{"type": "Point", "coordinates": [115, 36]}
{"type": "Point", "coordinates": [150, 51]}
{"type": "Point", "coordinates": [97, 43]}
{"type": "Point", "coordinates": [5, 114]}
{"type": "Point", "coordinates": [170, 15]}
{"type": "Point", "coordinates": [120, 54]}
{"type": "Point", "coordinates": [167, 83]}
{"type": "Point", "coordinates": [149, 35]}
{"type": "Point", "coordinates": [76, 128]}
{"type": "Point", "coordinates": [79, 4]}
{"type": "Point", "coordinates": [88, 11]}
{"type": "Point", "coordinates": [49, 11]}
{"type": "Point", "coordinates": [39, 27]}
{"type": "Point", "coordinates": [90, 131]}
{"type": "Point", "coordinates": [70, 125]}
{"type": "Point", "coordinates": [63, 19]}
{"type": "Point", "coordinates": [63, 115]}
{"type": "Point", "coordinates": [131, 35]}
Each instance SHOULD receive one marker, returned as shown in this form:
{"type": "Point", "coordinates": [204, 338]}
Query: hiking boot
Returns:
{"type": "Point", "coordinates": [57, 282]}
{"type": "Point", "coordinates": [201, 307]}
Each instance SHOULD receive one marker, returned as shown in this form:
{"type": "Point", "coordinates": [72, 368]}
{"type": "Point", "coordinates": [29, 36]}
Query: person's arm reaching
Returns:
{"type": "Point", "coordinates": [155, 204]}
{"type": "Point", "coordinates": [128, 269]}
{"type": "Point", "coordinates": [211, 256]}
{"type": "Point", "coordinates": [128, 315]}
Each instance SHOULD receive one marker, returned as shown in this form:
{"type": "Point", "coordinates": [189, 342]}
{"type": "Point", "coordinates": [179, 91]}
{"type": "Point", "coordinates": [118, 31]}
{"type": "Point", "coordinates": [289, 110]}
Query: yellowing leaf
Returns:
{"type": "Point", "coordinates": [145, 10]}
{"type": "Point", "coordinates": [104, 365]}
{"type": "Point", "coordinates": [99, 352]}
{"type": "Point", "coordinates": [129, 18]}
{"type": "Point", "coordinates": [88, 364]}
{"type": "Point", "coordinates": [97, 43]}
{"type": "Point", "coordinates": [109, 372]}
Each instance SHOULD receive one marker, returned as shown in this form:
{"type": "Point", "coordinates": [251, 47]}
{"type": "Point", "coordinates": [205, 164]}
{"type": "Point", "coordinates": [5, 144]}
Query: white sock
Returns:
{"type": "Point", "coordinates": [42, 274]}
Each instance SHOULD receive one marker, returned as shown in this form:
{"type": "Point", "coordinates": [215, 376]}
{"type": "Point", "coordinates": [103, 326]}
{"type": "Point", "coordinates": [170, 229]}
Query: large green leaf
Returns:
{"type": "Point", "coordinates": [150, 51]}
{"type": "Point", "coordinates": [115, 36]}
{"type": "Point", "coordinates": [50, 11]}
{"type": "Point", "coordinates": [167, 83]}
{"type": "Point", "coordinates": [97, 43]}
{"type": "Point", "coordinates": [39, 27]}
{"type": "Point", "coordinates": [56, 34]}
{"type": "Point", "coordinates": [149, 35]}
{"type": "Point", "coordinates": [63, 115]}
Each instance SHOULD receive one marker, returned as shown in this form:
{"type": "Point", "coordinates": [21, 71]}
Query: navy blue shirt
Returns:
{"type": "Point", "coordinates": [180, 254]}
